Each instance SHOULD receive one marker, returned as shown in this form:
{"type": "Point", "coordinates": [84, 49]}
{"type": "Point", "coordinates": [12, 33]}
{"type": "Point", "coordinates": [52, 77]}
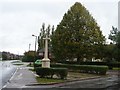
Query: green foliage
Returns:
{"type": "Point", "coordinates": [113, 34]}
{"type": "Point", "coordinates": [117, 49]}
{"type": "Point", "coordinates": [109, 53]}
{"type": "Point", "coordinates": [60, 72]}
{"type": "Point", "coordinates": [118, 39]}
{"type": "Point", "coordinates": [9, 56]}
{"type": "Point", "coordinates": [77, 35]}
{"type": "Point", "coordinates": [43, 31]}
{"type": "Point", "coordinates": [43, 72]}
{"type": "Point", "coordinates": [115, 37]}
{"type": "Point", "coordinates": [75, 65]}
{"type": "Point", "coordinates": [29, 56]}
{"type": "Point", "coordinates": [94, 69]}
{"type": "Point", "coordinates": [114, 65]}
{"type": "Point", "coordinates": [48, 81]}
{"type": "Point", "coordinates": [46, 72]}
{"type": "Point", "coordinates": [108, 63]}
{"type": "Point", "coordinates": [4, 57]}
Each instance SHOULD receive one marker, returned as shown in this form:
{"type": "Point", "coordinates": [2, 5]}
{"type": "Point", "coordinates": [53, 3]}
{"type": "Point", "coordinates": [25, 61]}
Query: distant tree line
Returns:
{"type": "Point", "coordinates": [10, 56]}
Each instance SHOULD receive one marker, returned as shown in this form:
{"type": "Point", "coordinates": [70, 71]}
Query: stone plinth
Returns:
{"type": "Point", "coordinates": [46, 63]}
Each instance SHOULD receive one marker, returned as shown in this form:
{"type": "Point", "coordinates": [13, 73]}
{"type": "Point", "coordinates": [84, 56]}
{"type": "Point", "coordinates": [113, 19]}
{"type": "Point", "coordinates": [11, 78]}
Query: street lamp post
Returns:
{"type": "Point", "coordinates": [35, 44]}
{"type": "Point", "coordinates": [29, 46]}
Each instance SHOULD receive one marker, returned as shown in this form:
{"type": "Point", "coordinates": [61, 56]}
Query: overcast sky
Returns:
{"type": "Point", "coordinates": [19, 19]}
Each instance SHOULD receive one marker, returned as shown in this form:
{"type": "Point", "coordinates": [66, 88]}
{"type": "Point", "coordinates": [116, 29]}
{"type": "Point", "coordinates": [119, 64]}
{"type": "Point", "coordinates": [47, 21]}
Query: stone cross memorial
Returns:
{"type": "Point", "coordinates": [46, 60]}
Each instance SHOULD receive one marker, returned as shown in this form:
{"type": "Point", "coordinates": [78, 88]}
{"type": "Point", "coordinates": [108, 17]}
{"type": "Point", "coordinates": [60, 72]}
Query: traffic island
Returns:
{"type": "Point", "coordinates": [71, 77]}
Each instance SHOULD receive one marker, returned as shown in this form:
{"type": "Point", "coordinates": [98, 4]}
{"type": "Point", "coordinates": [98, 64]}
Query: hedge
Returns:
{"type": "Point", "coordinates": [114, 64]}
{"type": "Point", "coordinates": [46, 72]}
{"type": "Point", "coordinates": [109, 64]}
{"type": "Point", "coordinates": [94, 69]}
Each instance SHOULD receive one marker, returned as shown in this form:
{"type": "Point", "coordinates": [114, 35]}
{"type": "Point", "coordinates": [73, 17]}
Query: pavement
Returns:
{"type": "Point", "coordinates": [6, 72]}
{"type": "Point", "coordinates": [21, 77]}
{"type": "Point", "coordinates": [25, 79]}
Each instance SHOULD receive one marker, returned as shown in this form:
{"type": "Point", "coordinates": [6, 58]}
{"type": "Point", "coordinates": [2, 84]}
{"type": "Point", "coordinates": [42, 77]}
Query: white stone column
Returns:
{"type": "Point", "coordinates": [46, 60]}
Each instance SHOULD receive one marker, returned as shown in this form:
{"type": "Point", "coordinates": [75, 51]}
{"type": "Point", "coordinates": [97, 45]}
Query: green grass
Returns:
{"type": "Point", "coordinates": [116, 68]}
{"type": "Point", "coordinates": [71, 76]}
{"type": "Point", "coordinates": [48, 80]}
{"type": "Point", "coordinates": [77, 75]}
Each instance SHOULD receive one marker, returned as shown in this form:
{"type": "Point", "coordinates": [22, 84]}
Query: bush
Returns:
{"type": "Point", "coordinates": [60, 72]}
{"type": "Point", "coordinates": [94, 69]}
{"type": "Point", "coordinates": [43, 72]}
{"type": "Point", "coordinates": [46, 72]}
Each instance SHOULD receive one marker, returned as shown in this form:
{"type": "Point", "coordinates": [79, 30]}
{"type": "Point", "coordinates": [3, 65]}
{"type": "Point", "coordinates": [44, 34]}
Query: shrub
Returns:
{"type": "Point", "coordinates": [43, 72]}
{"type": "Point", "coordinates": [60, 72]}
{"type": "Point", "coordinates": [46, 72]}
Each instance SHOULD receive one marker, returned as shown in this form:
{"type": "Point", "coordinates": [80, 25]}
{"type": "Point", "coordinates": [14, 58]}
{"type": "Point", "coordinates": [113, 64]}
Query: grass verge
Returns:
{"type": "Point", "coordinates": [78, 76]}
{"type": "Point", "coordinates": [116, 68]}
{"type": "Point", "coordinates": [48, 80]}
{"type": "Point", "coordinates": [71, 77]}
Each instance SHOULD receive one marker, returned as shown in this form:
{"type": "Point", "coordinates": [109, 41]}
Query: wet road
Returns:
{"type": "Point", "coordinates": [6, 72]}
{"type": "Point", "coordinates": [105, 83]}
{"type": "Point", "coordinates": [93, 83]}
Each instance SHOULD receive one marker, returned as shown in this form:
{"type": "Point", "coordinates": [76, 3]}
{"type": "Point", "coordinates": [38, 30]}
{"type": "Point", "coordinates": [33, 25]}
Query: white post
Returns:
{"type": "Point", "coordinates": [46, 60]}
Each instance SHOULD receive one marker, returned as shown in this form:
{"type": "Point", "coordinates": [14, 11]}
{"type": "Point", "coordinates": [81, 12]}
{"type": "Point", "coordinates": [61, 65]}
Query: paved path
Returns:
{"type": "Point", "coordinates": [22, 77]}
{"type": "Point", "coordinates": [6, 72]}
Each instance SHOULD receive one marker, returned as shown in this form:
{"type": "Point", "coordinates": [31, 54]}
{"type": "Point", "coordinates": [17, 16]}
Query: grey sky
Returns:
{"type": "Point", "coordinates": [19, 19]}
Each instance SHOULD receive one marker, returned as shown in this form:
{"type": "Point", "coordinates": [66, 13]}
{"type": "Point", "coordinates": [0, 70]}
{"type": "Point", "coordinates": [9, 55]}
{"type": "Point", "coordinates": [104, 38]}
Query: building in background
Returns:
{"type": "Point", "coordinates": [41, 53]}
{"type": "Point", "coordinates": [10, 56]}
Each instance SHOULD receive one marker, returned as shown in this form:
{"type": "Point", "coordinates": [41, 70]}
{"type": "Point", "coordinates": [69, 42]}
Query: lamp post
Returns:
{"type": "Point", "coordinates": [29, 46]}
{"type": "Point", "coordinates": [35, 44]}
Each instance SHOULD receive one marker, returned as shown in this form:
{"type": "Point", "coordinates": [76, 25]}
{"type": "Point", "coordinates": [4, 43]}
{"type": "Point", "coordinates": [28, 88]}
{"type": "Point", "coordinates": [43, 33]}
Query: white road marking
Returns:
{"type": "Point", "coordinates": [13, 74]}
{"type": "Point", "coordinates": [19, 76]}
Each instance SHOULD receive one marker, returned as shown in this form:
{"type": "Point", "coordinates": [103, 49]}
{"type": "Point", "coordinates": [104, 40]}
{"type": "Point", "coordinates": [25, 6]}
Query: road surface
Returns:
{"type": "Point", "coordinates": [6, 72]}
{"type": "Point", "coordinates": [24, 79]}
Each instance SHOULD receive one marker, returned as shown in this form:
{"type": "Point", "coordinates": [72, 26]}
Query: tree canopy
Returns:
{"type": "Point", "coordinates": [77, 36]}
{"type": "Point", "coordinates": [43, 31]}
{"type": "Point", "coordinates": [115, 37]}
{"type": "Point", "coordinates": [113, 34]}
{"type": "Point", "coordinates": [29, 56]}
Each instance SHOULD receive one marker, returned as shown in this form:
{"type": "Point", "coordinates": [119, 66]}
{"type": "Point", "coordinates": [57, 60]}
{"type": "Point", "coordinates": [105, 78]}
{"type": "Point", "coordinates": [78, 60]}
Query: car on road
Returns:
{"type": "Point", "coordinates": [38, 61]}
